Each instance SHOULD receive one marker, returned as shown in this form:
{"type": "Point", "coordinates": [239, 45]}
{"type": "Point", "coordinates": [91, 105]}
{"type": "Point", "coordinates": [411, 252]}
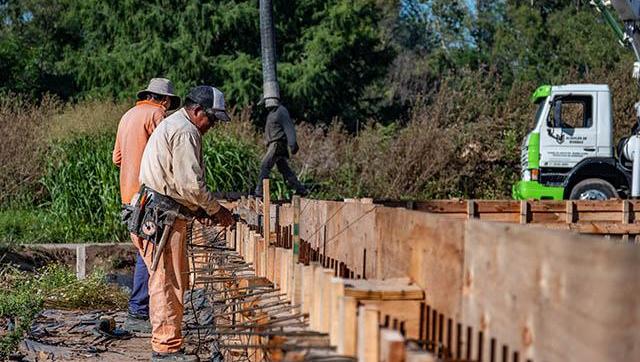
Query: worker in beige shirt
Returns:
{"type": "Point", "coordinates": [172, 165]}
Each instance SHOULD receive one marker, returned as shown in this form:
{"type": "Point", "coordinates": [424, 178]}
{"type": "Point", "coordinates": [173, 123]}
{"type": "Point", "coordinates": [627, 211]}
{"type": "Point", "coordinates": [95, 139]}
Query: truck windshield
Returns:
{"type": "Point", "coordinates": [541, 103]}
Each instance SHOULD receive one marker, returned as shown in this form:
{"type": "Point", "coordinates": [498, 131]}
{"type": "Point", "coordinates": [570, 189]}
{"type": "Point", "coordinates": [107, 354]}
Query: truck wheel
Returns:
{"type": "Point", "coordinates": [593, 189]}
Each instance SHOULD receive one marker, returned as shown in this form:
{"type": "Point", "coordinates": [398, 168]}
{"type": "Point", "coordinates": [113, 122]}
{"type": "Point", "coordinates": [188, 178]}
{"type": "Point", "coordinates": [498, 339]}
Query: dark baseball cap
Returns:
{"type": "Point", "coordinates": [211, 99]}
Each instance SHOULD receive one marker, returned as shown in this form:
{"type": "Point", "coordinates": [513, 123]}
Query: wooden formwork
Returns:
{"type": "Point", "coordinates": [492, 291]}
{"type": "Point", "coordinates": [612, 217]}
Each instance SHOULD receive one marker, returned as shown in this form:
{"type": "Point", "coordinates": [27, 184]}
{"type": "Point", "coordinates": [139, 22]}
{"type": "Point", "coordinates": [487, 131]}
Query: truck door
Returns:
{"type": "Point", "coordinates": [569, 134]}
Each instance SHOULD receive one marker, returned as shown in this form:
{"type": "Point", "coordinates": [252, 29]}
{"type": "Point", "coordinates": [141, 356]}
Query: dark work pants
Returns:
{"type": "Point", "coordinates": [139, 301]}
{"type": "Point", "coordinates": [278, 155]}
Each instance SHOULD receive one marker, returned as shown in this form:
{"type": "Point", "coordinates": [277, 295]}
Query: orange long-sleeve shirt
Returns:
{"type": "Point", "coordinates": [134, 130]}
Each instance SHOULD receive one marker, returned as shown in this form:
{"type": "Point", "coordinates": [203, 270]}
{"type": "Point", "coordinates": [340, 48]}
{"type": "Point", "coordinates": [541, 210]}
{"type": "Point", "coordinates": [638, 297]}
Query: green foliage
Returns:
{"type": "Point", "coordinates": [23, 296]}
{"type": "Point", "coordinates": [329, 51]}
{"type": "Point", "coordinates": [82, 191]}
{"type": "Point", "coordinates": [231, 164]}
{"type": "Point", "coordinates": [29, 226]}
{"type": "Point", "coordinates": [82, 184]}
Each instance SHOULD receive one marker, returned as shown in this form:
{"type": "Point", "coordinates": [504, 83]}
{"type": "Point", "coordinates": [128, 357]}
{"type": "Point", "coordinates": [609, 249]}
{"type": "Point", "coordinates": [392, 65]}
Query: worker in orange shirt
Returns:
{"type": "Point", "coordinates": [134, 130]}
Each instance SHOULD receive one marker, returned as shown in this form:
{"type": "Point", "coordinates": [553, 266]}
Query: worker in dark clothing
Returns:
{"type": "Point", "coordinates": [279, 133]}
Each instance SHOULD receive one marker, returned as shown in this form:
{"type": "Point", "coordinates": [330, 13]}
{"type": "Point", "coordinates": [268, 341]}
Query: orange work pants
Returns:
{"type": "Point", "coordinates": [167, 286]}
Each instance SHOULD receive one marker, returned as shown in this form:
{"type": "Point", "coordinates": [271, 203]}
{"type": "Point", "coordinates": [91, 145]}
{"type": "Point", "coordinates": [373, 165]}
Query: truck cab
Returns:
{"type": "Point", "coordinates": [570, 154]}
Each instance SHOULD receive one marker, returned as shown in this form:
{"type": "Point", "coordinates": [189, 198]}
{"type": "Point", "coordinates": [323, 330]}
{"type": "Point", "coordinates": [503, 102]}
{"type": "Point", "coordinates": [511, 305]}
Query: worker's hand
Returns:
{"type": "Point", "coordinates": [294, 148]}
{"type": "Point", "coordinates": [224, 217]}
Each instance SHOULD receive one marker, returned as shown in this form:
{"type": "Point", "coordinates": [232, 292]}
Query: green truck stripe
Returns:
{"type": "Point", "coordinates": [532, 190]}
{"type": "Point", "coordinates": [534, 151]}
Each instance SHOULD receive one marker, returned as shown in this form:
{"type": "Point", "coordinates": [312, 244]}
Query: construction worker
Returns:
{"type": "Point", "coordinates": [134, 130]}
{"type": "Point", "coordinates": [172, 166]}
{"type": "Point", "coordinates": [279, 132]}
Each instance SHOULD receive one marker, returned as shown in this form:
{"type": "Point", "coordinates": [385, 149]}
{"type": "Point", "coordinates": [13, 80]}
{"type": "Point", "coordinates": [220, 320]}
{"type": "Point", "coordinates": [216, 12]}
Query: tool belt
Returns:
{"type": "Point", "coordinates": [150, 213]}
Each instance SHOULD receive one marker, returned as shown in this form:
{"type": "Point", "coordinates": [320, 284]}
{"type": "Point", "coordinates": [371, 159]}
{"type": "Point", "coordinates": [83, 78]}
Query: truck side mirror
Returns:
{"type": "Point", "coordinates": [557, 114]}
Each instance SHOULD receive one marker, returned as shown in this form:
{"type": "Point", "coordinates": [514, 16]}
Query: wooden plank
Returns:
{"type": "Point", "coordinates": [337, 292]}
{"type": "Point", "coordinates": [296, 293]}
{"type": "Point", "coordinates": [552, 296]}
{"type": "Point", "coordinates": [471, 209]}
{"type": "Point", "coordinates": [524, 212]}
{"type": "Point", "coordinates": [571, 212]}
{"type": "Point", "coordinates": [368, 333]}
{"type": "Point", "coordinates": [419, 356]}
{"type": "Point", "coordinates": [391, 346]}
{"type": "Point", "coordinates": [266, 223]}
{"type": "Point", "coordinates": [277, 270]}
{"type": "Point", "coordinates": [389, 289]}
{"type": "Point", "coordinates": [315, 317]}
{"type": "Point", "coordinates": [327, 289]}
{"type": "Point", "coordinates": [598, 228]}
{"type": "Point", "coordinates": [287, 274]}
{"type": "Point", "coordinates": [626, 215]}
{"type": "Point", "coordinates": [428, 248]}
{"type": "Point", "coordinates": [347, 341]}
{"type": "Point", "coordinates": [271, 266]}
{"type": "Point", "coordinates": [308, 272]}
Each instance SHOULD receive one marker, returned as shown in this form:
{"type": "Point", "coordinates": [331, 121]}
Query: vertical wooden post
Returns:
{"type": "Point", "coordinates": [266, 223]}
{"type": "Point", "coordinates": [295, 248]}
{"type": "Point", "coordinates": [327, 289]}
{"type": "Point", "coordinates": [347, 312]}
{"type": "Point", "coordinates": [296, 228]}
{"type": "Point", "coordinates": [369, 333]}
{"type": "Point", "coordinates": [570, 212]}
{"type": "Point", "coordinates": [471, 209]}
{"type": "Point", "coordinates": [315, 317]}
{"type": "Point", "coordinates": [337, 292]}
{"type": "Point", "coordinates": [307, 288]}
{"type": "Point", "coordinates": [81, 261]}
{"type": "Point", "coordinates": [626, 217]}
{"type": "Point", "coordinates": [524, 212]}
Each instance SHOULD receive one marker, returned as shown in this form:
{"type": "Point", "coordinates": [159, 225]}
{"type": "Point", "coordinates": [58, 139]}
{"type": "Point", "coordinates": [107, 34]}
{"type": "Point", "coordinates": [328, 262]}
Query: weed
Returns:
{"type": "Point", "coordinates": [23, 296]}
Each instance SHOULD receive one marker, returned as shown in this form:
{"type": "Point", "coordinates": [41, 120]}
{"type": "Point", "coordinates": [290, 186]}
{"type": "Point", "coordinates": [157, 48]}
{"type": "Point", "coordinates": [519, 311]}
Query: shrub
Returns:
{"type": "Point", "coordinates": [23, 127]}
{"type": "Point", "coordinates": [82, 184]}
{"type": "Point", "coordinates": [23, 296]}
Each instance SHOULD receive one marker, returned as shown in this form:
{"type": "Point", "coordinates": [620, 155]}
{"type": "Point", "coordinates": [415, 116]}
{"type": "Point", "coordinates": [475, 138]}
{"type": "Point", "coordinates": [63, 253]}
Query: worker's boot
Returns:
{"type": "Point", "coordinates": [174, 357]}
{"type": "Point", "coordinates": [137, 324]}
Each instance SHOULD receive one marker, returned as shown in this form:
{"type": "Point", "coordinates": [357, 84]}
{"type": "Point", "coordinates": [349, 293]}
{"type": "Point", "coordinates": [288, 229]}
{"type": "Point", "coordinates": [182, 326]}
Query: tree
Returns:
{"type": "Point", "coordinates": [329, 51]}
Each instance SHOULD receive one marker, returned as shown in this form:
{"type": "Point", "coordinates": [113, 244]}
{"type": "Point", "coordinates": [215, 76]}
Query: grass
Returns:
{"type": "Point", "coordinates": [23, 296]}
{"type": "Point", "coordinates": [20, 226]}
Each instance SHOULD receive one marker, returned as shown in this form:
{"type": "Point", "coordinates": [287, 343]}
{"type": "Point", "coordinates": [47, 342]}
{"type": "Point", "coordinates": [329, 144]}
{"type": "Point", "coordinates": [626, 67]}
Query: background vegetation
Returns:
{"type": "Point", "coordinates": [24, 295]}
{"type": "Point", "coordinates": [394, 99]}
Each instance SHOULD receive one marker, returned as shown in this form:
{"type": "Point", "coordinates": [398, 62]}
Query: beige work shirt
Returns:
{"type": "Point", "coordinates": [172, 163]}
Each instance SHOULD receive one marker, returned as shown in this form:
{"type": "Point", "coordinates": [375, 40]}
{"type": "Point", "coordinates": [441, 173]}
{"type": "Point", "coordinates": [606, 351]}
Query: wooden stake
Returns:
{"type": "Point", "coordinates": [368, 333]}
{"type": "Point", "coordinates": [307, 288]}
{"type": "Point", "coordinates": [337, 292]}
{"type": "Point", "coordinates": [525, 210]}
{"type": "Point", "coordinates": [347, 313]}
{"type": "Point", "coordinates": [296, 228]}
{"type": "Point", "coordinates": [626, 217]}
{"type": "Point", "coordinates": [471, 209]}
{"type": "Point", "coordinates": [327, 289]}
{"type": "Point", "coordinates": [570, 212]}
{"type": "Point", "coordinates": [266, 222]}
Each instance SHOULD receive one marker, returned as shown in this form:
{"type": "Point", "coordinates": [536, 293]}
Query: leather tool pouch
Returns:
{"type": "Point", "coordinates": [148, 214]}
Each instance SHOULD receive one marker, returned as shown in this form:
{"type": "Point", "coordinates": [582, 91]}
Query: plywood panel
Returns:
{"type": "Point", "coordinates": [427, 248]}
{"type": "Point", "coordinates": [554, 296]}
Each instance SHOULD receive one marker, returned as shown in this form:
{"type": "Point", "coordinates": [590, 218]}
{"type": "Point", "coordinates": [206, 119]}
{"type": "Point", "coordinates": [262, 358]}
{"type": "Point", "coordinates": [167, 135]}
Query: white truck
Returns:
{"type": "Point", "coordinates": [570, 153]}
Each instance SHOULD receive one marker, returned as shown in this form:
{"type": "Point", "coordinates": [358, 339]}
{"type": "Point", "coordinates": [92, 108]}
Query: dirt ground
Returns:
{"type": "Point", "coordinates": [71, 336]}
